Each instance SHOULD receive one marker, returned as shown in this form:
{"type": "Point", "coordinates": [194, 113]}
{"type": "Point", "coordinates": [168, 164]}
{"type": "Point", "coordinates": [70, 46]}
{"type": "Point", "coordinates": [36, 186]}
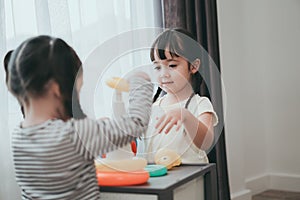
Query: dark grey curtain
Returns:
{"type": "Point", "coordinates": [200, 18]}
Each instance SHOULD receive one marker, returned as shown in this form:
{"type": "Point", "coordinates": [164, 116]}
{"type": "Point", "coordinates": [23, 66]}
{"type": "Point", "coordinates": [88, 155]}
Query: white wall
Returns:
{"type": "Point", "coordinates": [260, 46]}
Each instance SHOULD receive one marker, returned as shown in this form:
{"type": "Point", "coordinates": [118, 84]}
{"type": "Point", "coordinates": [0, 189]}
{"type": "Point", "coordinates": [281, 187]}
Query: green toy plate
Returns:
{"type": "Point", "coordinates": [156, 170]}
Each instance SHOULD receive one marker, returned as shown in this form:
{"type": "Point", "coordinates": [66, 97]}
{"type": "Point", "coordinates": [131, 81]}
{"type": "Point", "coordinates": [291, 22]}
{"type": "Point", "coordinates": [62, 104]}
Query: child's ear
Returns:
{"type": "Point", "coordinates": [57, 90]}
{"type": "Point", "coordinates": [54, 88]}
{"type": "Point", "coordinates": [195, 66]}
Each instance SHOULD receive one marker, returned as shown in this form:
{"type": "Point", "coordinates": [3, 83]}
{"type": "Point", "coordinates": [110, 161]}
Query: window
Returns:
{"type": "Point", "coordinates": [85, 25]}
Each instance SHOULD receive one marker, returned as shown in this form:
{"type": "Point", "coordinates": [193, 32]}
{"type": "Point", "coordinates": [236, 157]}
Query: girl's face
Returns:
{"type": "Point", "coordinates": [172, 73]}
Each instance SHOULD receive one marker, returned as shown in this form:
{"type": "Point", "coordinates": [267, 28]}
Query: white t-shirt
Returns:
{"type": "Point", "coordinates": [178, 141]}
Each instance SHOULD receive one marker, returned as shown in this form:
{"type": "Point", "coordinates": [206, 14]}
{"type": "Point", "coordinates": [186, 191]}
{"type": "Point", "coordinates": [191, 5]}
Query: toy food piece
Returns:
{"type": "Point", "coordinates": [156, 170]}
{"type": "Point", "coordinates": [118, 83]}
{"type": "Point", "coordinates": [125, 165]}
{"type": "Point", "coordinates": [122, 178]}
{"type": "Point", "coordinates": [167, 157]}
{"type": "Point", "coordinates": [123, 153]}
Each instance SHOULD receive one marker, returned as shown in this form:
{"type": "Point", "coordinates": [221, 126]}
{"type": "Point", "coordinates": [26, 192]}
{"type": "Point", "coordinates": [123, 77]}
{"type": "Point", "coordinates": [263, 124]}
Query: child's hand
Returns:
{"type": "Point", "coordinates": [141, 75]}
{"type": "Point", "coordinates": [170, 119]}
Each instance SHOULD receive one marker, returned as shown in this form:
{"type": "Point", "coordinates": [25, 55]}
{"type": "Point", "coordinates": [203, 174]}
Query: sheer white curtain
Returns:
{"type": "Point", "coordinates": [84, 24]}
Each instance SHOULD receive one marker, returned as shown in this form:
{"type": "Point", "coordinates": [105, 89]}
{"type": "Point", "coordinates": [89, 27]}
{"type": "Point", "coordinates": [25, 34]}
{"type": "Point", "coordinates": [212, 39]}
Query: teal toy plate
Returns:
{"type": "Point", "coordinates": [156, 170]}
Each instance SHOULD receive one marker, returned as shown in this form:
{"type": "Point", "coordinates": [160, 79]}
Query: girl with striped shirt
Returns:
{"type": "Point", "coordinates": [55, 146]}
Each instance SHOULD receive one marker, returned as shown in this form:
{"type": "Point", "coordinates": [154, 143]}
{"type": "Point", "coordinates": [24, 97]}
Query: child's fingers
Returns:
{"type": "Point", "coordinates": [160, 120]}
{"type": "Point", "coordinates": [179, 123]}
{"type": "Point", "coordinates": [142, 75]}
{"type": "Point", "coordinates": [170, 125]}
{"type": "Point", "coordinates": [163, 124]}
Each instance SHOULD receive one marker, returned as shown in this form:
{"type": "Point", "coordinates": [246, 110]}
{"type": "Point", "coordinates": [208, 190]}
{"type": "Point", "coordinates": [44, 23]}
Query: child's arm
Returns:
{"type": "Point", "coordinates": [98, 137]}
{"type": "Point", "coordinates": [200, 128]}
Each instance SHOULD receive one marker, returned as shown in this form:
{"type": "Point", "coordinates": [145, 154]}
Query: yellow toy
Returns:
{"type": "Point", "coordinates": [167, 157]}
{"type": "Point", "coordinates": [119, 84]}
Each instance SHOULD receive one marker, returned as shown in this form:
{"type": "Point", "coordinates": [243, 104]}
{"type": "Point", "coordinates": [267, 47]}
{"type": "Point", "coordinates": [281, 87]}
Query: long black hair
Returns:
{"type": "Point", "coordinates": [180, 43]}
{"type": "Point", "coordinates": [41, 59]}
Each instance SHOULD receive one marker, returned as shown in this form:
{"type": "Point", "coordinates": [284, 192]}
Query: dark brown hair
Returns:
{"type": "Point", "coordinates": [41, 59]}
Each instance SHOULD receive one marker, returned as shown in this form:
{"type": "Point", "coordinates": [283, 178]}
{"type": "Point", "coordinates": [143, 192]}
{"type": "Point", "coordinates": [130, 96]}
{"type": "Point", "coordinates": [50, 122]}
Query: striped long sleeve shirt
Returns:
{"type": "Point", "coordinates": [55, 159]}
